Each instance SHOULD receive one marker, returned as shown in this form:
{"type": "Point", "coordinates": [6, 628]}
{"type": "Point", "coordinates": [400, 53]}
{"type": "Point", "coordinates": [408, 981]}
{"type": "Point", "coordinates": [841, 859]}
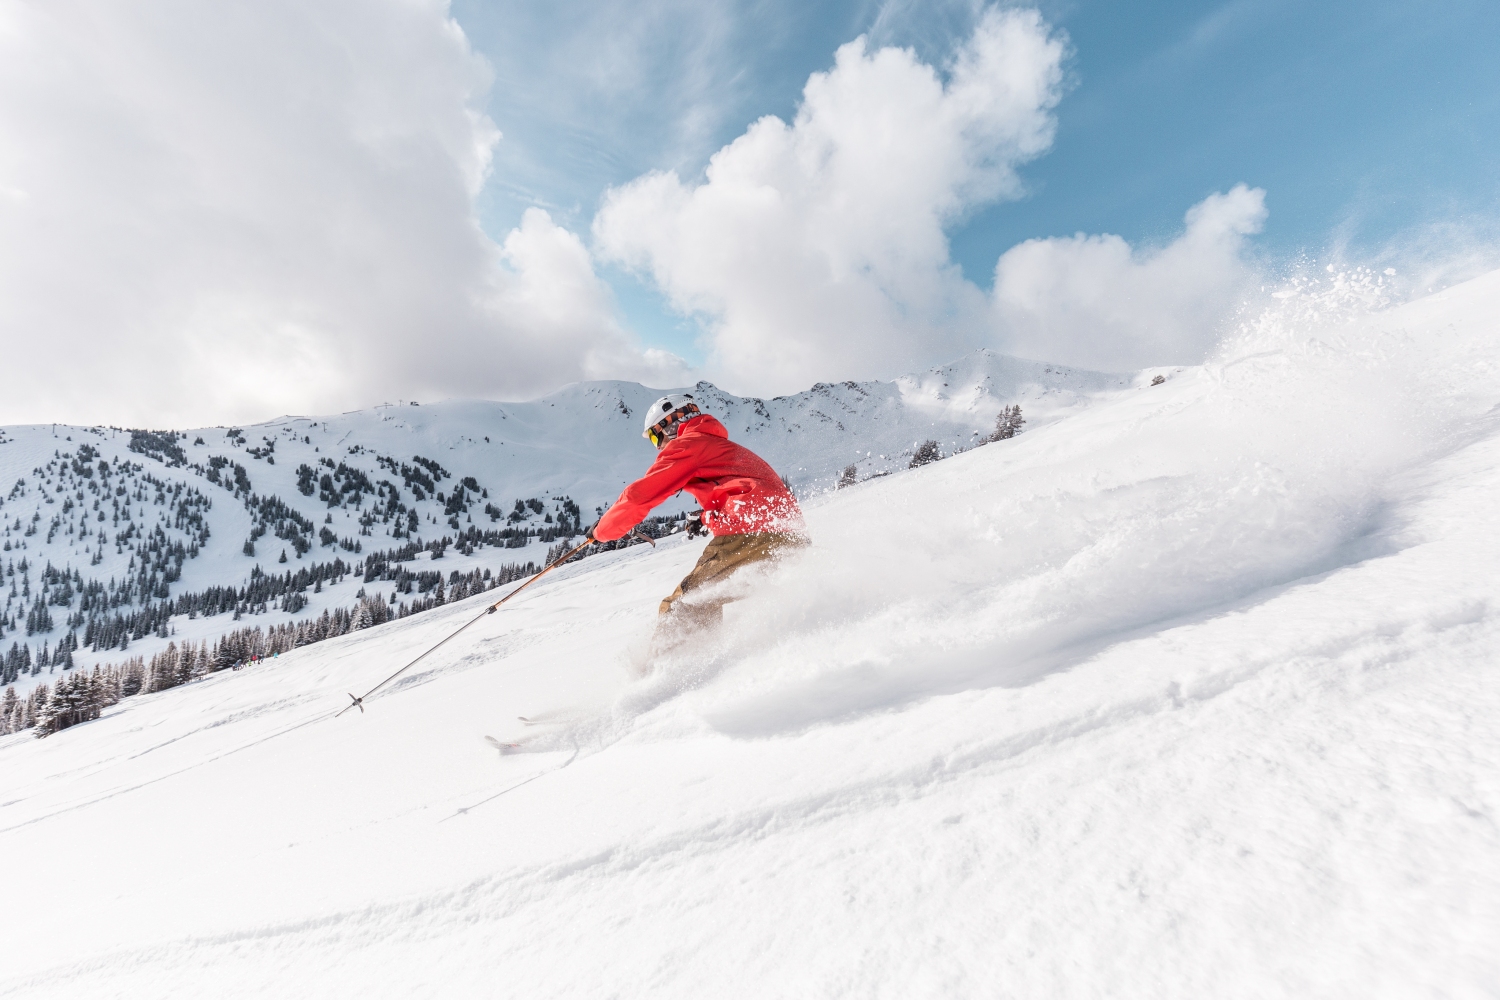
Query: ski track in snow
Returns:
{"type": "Point", "coordinates": [1190, 694]}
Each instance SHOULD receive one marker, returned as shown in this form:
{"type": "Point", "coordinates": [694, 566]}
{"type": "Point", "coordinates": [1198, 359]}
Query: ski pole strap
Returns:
{"type": "Point", "coordinates": [358, 702]}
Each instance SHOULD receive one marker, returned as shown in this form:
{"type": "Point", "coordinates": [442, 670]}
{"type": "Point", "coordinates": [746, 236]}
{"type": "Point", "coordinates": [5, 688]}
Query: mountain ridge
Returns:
{"type": "Point", "coordinates": [107, 519]}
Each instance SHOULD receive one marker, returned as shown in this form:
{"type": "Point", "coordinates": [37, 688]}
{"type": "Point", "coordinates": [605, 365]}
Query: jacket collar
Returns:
{"type": "Point", "coordinates": [701, 424]}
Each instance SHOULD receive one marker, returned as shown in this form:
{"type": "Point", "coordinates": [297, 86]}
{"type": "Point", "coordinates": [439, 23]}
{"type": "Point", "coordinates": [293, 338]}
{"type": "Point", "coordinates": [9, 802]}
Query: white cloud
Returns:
{"type": "Point", "coordinates": [555, 288]}
{"type": "Point", "coordinates": [816, 249]}
{"type": "Point", "coordinates": [224, 211]}
{"type": "Point", "coordinates": [1095, 302]}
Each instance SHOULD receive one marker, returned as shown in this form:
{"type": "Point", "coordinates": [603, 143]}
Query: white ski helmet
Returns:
{"type": "Point", "coordinates": [665, 414]}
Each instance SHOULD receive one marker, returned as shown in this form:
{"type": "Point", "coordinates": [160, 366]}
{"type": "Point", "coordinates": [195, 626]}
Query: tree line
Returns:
{"type": "Point", "coordinates": [83, 696]}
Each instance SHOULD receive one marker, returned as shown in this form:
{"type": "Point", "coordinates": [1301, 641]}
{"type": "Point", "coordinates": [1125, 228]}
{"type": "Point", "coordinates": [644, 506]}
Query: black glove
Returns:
{"type": "Point", "coordinates": [589, 532]}
{"type": "Point", "coordinates": [695, 526]}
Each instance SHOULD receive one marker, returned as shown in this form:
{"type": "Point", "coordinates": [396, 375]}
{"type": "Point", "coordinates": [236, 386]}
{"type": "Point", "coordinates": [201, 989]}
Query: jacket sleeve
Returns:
{"type": "Point", "coordinates": [671, 471]}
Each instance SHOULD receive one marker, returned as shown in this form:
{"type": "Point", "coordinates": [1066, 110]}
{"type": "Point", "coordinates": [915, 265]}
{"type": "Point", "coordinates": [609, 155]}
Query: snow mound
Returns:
{"type": "Point", "coordinates": [1190, 694]}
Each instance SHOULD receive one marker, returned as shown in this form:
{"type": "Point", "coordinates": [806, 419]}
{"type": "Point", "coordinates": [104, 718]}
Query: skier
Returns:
{"type": "Point", "coordinates": [750, 512]}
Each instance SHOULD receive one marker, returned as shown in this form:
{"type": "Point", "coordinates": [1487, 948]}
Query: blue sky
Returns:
{"type": "Point", "coordinates": [1369, 125]}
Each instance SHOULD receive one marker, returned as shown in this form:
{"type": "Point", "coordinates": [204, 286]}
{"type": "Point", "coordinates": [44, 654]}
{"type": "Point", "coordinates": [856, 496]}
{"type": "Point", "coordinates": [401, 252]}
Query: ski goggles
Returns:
{"type": "Point", "coordinates": [657, 433]}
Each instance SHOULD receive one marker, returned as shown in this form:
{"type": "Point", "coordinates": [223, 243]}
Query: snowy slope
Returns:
{"type": "Point", "coordinates": [582, 442]}
{"type": "Point", "coordinates": [1192, 694]}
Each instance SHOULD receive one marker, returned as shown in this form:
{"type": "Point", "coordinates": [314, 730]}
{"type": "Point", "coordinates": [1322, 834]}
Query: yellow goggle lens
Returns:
{"type": "Point", "coordinates": [656, 435]}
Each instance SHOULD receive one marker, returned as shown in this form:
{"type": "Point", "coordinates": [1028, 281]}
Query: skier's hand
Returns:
{"type": "Point", "coordinates": [695, 526]}
{"type": "Point", "coordinates": [589, 532]}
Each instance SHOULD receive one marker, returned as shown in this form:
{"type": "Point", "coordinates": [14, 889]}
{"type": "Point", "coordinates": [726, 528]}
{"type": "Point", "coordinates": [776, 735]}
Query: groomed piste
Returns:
{"type": "Point", "coordinates": [1193, 693]}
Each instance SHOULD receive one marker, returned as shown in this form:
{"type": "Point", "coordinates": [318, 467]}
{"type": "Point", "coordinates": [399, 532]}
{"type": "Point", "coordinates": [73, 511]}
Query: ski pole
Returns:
{"type": "Point", "coordinates": [359, 701]}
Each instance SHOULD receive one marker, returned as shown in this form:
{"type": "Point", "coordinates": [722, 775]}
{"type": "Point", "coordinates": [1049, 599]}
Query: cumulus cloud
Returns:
{"type": "Point", "coordinates": [226, 211]}
{"type": "Point", "coordinates": [817, 249]}
{"type": "Point", "coordinates": [1094, 301]}
{"type": "Point", "coordinates": [549, 279]}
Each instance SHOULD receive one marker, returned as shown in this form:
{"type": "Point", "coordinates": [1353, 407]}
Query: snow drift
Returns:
{"type": "Point", "coordinates": [1191, 693]}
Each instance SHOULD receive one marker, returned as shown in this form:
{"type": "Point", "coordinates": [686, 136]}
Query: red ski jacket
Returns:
{"type": "Point", "coordinates": [739, 492]}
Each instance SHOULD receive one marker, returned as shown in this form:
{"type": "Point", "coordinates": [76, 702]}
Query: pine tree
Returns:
{"type": "Point", "coordinates": [926, 453]}
{"type": "Point", "coordinates": [200, 661]}
{"type": "Point", "coordinates": [850, 476]}
{"type": "Point", "coordinates": [163, 672]}
{"type": "Point", "coordinates": [1008, 423]}
{"type": "Point", "coordinates": [223, 654]}
{"type": "Point", "coordinates": [186, 661]}
{"type": "Point", "coordinates": [42, 711]}
{"type": "Point", "coordinates": [132, 677]}
{"type": "Point", "coordinates": [96, 696]}
{"type": "Point", "coordinates": [10, 711]}
{"type": "Point", "coordinates": [38, 619]}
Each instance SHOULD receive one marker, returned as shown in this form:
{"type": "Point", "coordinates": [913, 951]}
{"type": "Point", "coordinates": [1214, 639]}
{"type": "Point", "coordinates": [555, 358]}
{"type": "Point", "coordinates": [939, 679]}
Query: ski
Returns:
{"type": "Point", "coordinates": [502, 747]}
{"type": "Point", "coordinates": [547, 719]}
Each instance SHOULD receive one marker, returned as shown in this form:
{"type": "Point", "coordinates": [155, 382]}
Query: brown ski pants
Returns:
{"type": "Point", "coordinates": [725, 555]}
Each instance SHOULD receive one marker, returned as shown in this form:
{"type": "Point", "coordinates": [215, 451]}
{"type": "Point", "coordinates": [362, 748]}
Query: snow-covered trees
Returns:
{"type": "Point", "coordinates": [17, 714]}
{"type": "Point", "coordinates": [38, 619]}
{"type": "Point", "coordinates": [1008, 423]}
{"type": "Point", "coordinates": [926, 453]}
{"type": "Point", "coordinates": [10, 708]}
{"type": "Point", "coordinates": [364, 615]}
{"type": "Point", "coordinates": [15, 663]}
{"type": "Point", "coordinates": [75, 698]}
{"type": "Point", "coordinates": [176, 665]}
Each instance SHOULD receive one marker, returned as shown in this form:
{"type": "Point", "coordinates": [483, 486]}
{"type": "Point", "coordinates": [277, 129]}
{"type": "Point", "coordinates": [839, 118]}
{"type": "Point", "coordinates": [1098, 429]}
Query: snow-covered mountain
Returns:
{"type": "Point", "coordinates": [100, 522]}
{"type": "Point", "coordinates": [1192, 694]}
